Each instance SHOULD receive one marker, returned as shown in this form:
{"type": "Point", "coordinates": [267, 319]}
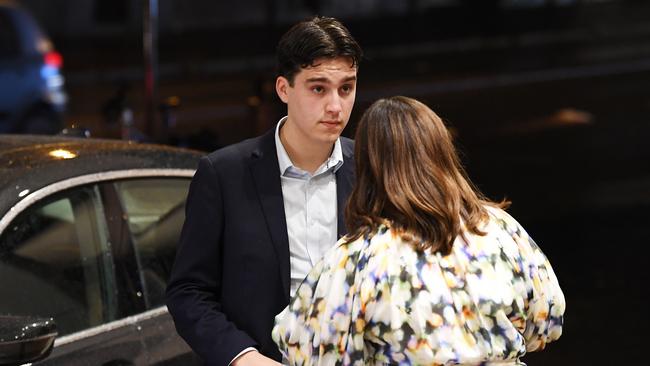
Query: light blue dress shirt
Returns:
{"type": "Point", "coordinates": [310, 209]}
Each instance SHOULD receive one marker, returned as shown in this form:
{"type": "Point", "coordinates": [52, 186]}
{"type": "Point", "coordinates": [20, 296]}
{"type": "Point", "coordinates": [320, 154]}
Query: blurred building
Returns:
{"type": "Point", "coordinates": [84, 18]}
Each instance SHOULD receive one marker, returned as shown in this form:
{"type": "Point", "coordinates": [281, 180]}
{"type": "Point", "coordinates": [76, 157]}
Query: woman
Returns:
{"type": "Point", "coordinates": [431, 272]}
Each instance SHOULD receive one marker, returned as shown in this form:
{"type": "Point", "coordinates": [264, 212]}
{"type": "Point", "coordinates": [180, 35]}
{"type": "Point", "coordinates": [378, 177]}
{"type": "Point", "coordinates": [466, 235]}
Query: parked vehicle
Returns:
{"type": "Point", "coordinates": [88, 233]}
{"type": "Point", "coordinates": [32, 98]}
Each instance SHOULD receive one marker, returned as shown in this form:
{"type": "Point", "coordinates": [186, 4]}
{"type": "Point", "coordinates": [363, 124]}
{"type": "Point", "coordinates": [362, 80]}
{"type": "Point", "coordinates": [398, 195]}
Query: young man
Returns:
{"type": "Point", "coordinates": [262, 212]}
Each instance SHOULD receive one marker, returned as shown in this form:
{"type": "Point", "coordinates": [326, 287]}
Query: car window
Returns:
{"type": "Point", "coordinates": [155, 214]}
{"type": "Point", "coordinates": [9, 46]}
{"type": "Point", "coordinates": [54, 262]}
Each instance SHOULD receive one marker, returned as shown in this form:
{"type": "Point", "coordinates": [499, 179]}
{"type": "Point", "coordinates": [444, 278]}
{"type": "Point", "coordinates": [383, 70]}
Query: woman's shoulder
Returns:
{"type": "Point", "coordinates": [380, 243]}
{"type": "Point", "coordinates": [510, 235]}
{"type": "Point", "coordinates": [382, 240]}
{"type": "Point", "coordinates": [496, 212]}
{"type": "Point", "coordinates": [503, 219]}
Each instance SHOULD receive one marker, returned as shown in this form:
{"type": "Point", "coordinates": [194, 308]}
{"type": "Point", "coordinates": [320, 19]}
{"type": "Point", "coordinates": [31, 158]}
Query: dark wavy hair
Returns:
{"type": "Point", "coordinates": [312, 39]}
{"type": "Point", "coordinates": [409, 175]}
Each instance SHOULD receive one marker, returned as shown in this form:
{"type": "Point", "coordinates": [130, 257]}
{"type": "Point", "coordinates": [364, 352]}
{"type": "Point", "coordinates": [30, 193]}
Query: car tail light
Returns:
{"type": "Point", "coordinates": [53, 59]}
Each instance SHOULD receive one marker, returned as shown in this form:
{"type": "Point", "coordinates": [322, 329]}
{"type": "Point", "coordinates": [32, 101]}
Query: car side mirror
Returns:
{"type": "Point", "coordinates": [25, 339]}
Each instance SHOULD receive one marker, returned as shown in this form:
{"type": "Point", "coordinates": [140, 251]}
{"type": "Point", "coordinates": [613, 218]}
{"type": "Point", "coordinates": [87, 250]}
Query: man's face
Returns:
{"type": "Point", "coordinates": [320, 101]}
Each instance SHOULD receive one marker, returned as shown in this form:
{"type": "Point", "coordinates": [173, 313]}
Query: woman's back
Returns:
{"type": "Point", "coordinates": [381, 301]}
{"type": "Point", "coordinates": [431, 272]}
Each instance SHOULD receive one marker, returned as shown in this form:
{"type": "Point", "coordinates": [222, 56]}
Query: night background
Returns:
{"type": "Point", "coordinates": [549, 102]}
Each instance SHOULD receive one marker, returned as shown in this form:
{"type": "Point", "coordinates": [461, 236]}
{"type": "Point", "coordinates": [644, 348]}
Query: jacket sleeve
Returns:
{"type": "Point", "coordinates": [193, 292]}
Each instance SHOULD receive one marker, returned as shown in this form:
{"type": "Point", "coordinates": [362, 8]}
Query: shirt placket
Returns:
{"type": "Point", "coordinates": [309, 222]}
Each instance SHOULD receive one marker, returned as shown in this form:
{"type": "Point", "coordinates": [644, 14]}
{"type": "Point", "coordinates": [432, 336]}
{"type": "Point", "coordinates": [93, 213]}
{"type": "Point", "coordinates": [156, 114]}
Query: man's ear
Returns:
{"type": "Point", "coordinates": [281, 86]}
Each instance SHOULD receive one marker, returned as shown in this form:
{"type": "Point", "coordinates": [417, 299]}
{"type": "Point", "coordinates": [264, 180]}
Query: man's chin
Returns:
{"type": "Point", "coordinates": [330, 138]}
{"type": "Point", "coordinates": [332, 132]}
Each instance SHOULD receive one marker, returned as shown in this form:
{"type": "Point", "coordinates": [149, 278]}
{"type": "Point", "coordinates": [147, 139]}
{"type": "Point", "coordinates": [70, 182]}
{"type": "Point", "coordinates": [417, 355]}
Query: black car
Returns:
{"type": "Point", "coordinates": [88, 233]}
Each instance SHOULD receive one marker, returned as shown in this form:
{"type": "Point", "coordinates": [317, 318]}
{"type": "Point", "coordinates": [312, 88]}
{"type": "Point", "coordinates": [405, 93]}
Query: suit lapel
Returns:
{"type": "Point", "coordinates": [344, 181]}
{"type": "Point", "coordinates": [266, 174]}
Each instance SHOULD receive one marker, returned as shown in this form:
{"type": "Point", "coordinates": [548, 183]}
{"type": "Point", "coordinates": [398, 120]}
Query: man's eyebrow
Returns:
{"type": "Point", "coordinates": [326, 80]}
{"type": "Point", "coordinates": [317, 79]}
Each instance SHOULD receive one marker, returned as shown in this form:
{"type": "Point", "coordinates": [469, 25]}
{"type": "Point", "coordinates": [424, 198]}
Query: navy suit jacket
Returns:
{"type": "Point", "coordinates": [231, 274]}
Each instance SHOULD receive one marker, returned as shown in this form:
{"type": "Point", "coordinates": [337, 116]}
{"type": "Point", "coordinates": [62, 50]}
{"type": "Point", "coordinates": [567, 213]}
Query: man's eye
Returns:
{"type": "Point", "coordinates": [346, 89]}
{"type": "Point", "coordinates": [318, 89]}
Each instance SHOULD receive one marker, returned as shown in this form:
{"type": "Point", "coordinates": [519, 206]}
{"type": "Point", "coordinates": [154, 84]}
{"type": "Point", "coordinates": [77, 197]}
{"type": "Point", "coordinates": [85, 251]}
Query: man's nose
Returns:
{"type": "Point", "coordinates": [334, 103]}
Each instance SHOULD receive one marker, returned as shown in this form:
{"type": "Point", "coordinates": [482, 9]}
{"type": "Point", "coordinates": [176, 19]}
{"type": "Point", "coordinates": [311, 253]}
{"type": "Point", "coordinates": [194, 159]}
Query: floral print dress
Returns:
{"type": "Point", "coordinates": [378, 301]}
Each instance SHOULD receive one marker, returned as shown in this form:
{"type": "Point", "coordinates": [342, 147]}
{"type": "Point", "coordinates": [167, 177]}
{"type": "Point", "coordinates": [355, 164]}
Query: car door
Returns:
{"type": "Point", "coordinates": [56, 261]}
{"type": "Point", "coordinates": [96, 258]}
{"type": "Point", "coordinates": [147, 217]}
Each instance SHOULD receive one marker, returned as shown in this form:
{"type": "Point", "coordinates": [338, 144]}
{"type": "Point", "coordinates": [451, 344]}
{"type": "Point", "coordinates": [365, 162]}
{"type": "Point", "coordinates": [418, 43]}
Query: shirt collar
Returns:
{"type": "Point", "coordinates": [334, 161]}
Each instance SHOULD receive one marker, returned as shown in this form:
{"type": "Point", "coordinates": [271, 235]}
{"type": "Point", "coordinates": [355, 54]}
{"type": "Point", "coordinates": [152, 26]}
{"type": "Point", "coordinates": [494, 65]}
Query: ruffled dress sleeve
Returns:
{"type": "Point", "coordinates": [545, 303]}
{"type": "Point", "coordinates": [314, 328]}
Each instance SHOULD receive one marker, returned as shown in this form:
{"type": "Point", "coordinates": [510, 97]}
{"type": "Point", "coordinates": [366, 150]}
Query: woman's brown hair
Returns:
{"type": "Point", "coordinates": [408, 172]}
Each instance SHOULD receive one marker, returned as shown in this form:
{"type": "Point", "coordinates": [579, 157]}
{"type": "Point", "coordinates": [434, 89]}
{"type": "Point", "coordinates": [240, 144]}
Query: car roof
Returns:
{"type": "Point", "coordinates": [29, 163]}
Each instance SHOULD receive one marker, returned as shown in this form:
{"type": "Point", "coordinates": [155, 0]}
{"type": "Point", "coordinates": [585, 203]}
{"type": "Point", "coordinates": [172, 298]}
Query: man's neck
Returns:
{"type": "Point", "coordinates": [306, 155]}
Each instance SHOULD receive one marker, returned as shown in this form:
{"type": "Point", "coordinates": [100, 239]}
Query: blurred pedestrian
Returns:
{"type": "Point", "coordinates": [431, 272]}
{"type": "Point", "coordinates": [117, 114]}
{"type": "Point", "coordinates": [260, 213]}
